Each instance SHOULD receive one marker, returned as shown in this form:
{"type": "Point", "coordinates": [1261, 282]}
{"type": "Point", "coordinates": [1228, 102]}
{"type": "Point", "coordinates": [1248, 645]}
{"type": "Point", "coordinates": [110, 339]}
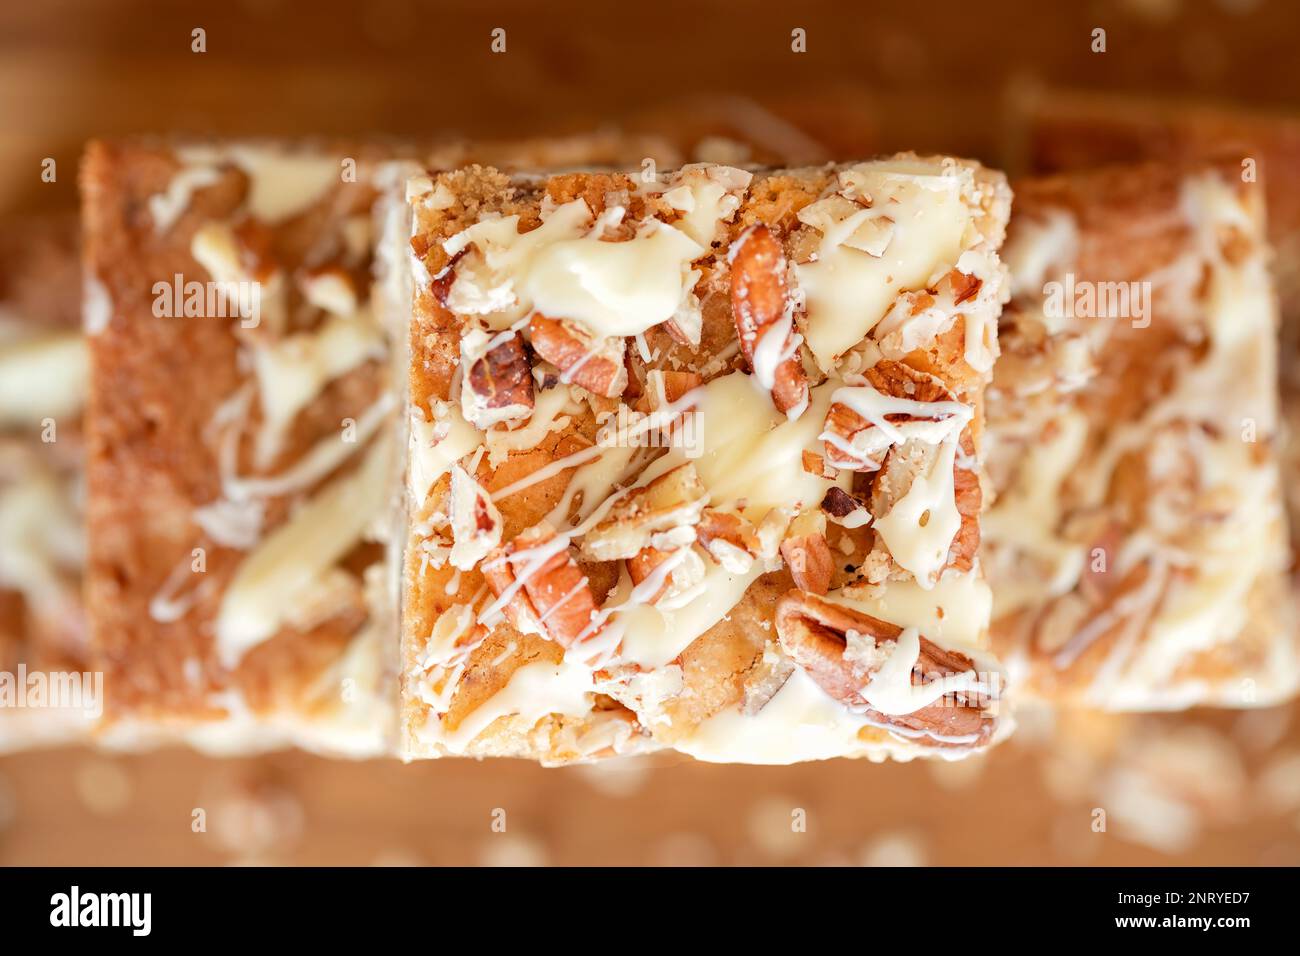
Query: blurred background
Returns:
{"type": "Point", "coordinates": [1203, 788]}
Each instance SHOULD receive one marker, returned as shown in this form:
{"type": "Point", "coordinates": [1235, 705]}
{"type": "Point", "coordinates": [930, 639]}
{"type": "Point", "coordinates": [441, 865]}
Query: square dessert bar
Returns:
{"type": "Point", "coordinates": [1137, 545]}
{"type": "Point", "coordinates": [46, 692]}
{"type": "Point", "coordinates": [695, 462]}
{"type": "Point", "coordinates": [241, 446]}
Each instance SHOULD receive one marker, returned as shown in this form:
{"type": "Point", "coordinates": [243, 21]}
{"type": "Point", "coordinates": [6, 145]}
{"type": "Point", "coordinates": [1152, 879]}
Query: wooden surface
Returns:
{"type": "Point", "coordinates": [1212, 790]}
{"type": "Point", "coordinates": [880, 75]}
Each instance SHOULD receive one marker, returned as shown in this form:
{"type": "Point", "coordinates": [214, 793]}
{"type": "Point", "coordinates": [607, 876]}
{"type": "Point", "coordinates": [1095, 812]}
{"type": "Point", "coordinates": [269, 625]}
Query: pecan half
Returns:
{"type": "Point", "coordinates": [555, 597]}
{"type": "Point", "coordinates": [497, 384]}
{"type": "Point", "coordinates": [761, 308]}
{"type": "Point", "coordinates": [594, 363]}
{"type": "Point", "coordinates": [815, 632]}
{"type": "Point", "coordinates": [662, 515]}
{"type": "Point", "coordinates": [807, 554]}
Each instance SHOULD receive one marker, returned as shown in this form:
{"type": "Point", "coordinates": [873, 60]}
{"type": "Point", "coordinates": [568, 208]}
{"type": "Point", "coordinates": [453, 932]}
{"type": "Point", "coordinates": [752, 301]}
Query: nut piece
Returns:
{"type": "Point", "coordinates": [679, 582]}
{"type": "Point", "coordinates": [816, 633]}
{"type": "Point", "coordinates": [583, 359]}
{"type": "Point", "coordinates": [555, 598]}
{"type": "Point", "coordinates": [661, 515]}
{"type": "Point", "coordinates": [475, 521]}
{"type": "Point", "coordinates": [765, 320]}
{"type": "Point", "coordinates": [845, 509]}
{"type": "Point", "coordinates": [663, 387]}
{"type": "Point", "coordinates": [897, 403]}
{"type": "Point", "coordinates": [807, 554]}
{"type": "Point", "coordinates": [900, 473]}
{"type": "Point", "coordinates": [497, 385]}
{"type": "Point", "coordinates": [872, 234]}
{"type": "Point", "coordinates": [730, 539]}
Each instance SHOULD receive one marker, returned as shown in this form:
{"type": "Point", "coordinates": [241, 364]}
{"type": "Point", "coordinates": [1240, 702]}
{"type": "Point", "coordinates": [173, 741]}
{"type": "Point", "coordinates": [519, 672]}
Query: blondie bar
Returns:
{"type": "Point", "coordinates": [1137, 544]}
{"type": "Point", "coordinates": [695, 462]}
{"type": "Point", "coordinates": [1057, 131]}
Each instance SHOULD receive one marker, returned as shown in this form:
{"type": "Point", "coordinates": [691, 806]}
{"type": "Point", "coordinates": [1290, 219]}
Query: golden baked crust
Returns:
{"type": "Point", "coordinates": [537, 532]}
{"type": "Point", "coordinates": [1136, 549]}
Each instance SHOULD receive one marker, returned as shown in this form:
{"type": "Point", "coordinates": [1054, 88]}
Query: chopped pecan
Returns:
{"type": "Point", "coordinates": [896, 403]}
{"type": "Point", "coordinates": [594, 363]}
{"type": "Point", "coordinates": [552, 596]}
{"type": "Point", "coordinates": [441, 284]}
{"type": "Point", "coordinates": [970, 499]}
{"type": "Point", "coordinates": [662, 515]}
{"type": "Point", "coordinates": [680, 580]}
{"type": "Point", "coordinates": [917, 318]}
{"type": "Point", "coordinates": [497, 384]}
{"type": "Point", "coordinates": [815, 464]}
{"type": "Point", "coordinates": [728, 538]}
{"type": "Point", "coordinates": [872, 234]}
{"type": "Point", "coordinates": [816, 633]}
{"type": "Point", "coordinates": [475, 521]}
{"type": "Point", "coordinates": [963, 286]}
{"type": "Point", "coordinates": [844, 508]}
{"type": "Point", "coordinates": [764, 318]}
{"type": "Point", "coordinates": [899, 475]}
{"type": "Point", "coordinates": [807, 554]}
{"type": "Point", "coordinates": [663, 387]}
{"type": "Point", "coordinates": [687, 326]}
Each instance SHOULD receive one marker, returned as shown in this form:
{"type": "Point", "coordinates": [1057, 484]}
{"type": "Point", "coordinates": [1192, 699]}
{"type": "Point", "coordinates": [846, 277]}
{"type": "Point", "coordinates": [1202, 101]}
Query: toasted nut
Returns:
{"type": "Point", "coordinates": [761, 309]}
{"type": "Point", "coordinates": [845, 509]}
{"type": "Point", "coordinates": [913, 404]}
{"type": "Point", "coordinates": [519, 610]}
{"type": "Point", "coordinates": [555, 599]}
{"type": "Point", "coordinates": [970, 499]}
{"type": "Point", "coordinates": [661, 515]}
{"type": "Point", "coordinates": [815, 632]}
{"type": "Point", "coordinates": [918, 317]}
{"type": "Point", "coordinates": [475, 521]}
{"type": "Point", "coordinates": [687, 325]}
{"type": "Point", "coordinates": [807, 554]}
{"type": "Point", "coordinates": [497, 385]}
{"type": "Point", "coordinates": [963, 286]}
{"type": "Point", "coordinates": [872, 234]}
{"type": "Point", "coordinates": [679, 582]}
{"type": "Point", "coordinates": [665, 387]}
{"type": "Point", "coordinates": [895, 480]}
{"type": "Point", "coordinates": [441, 284]}
{"type": "Point", "coordinates": [728, 538]}
{"type": "Point", "coordinates": [595, 364]}
{"type": "Point", "coordinates": [815, 464]}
